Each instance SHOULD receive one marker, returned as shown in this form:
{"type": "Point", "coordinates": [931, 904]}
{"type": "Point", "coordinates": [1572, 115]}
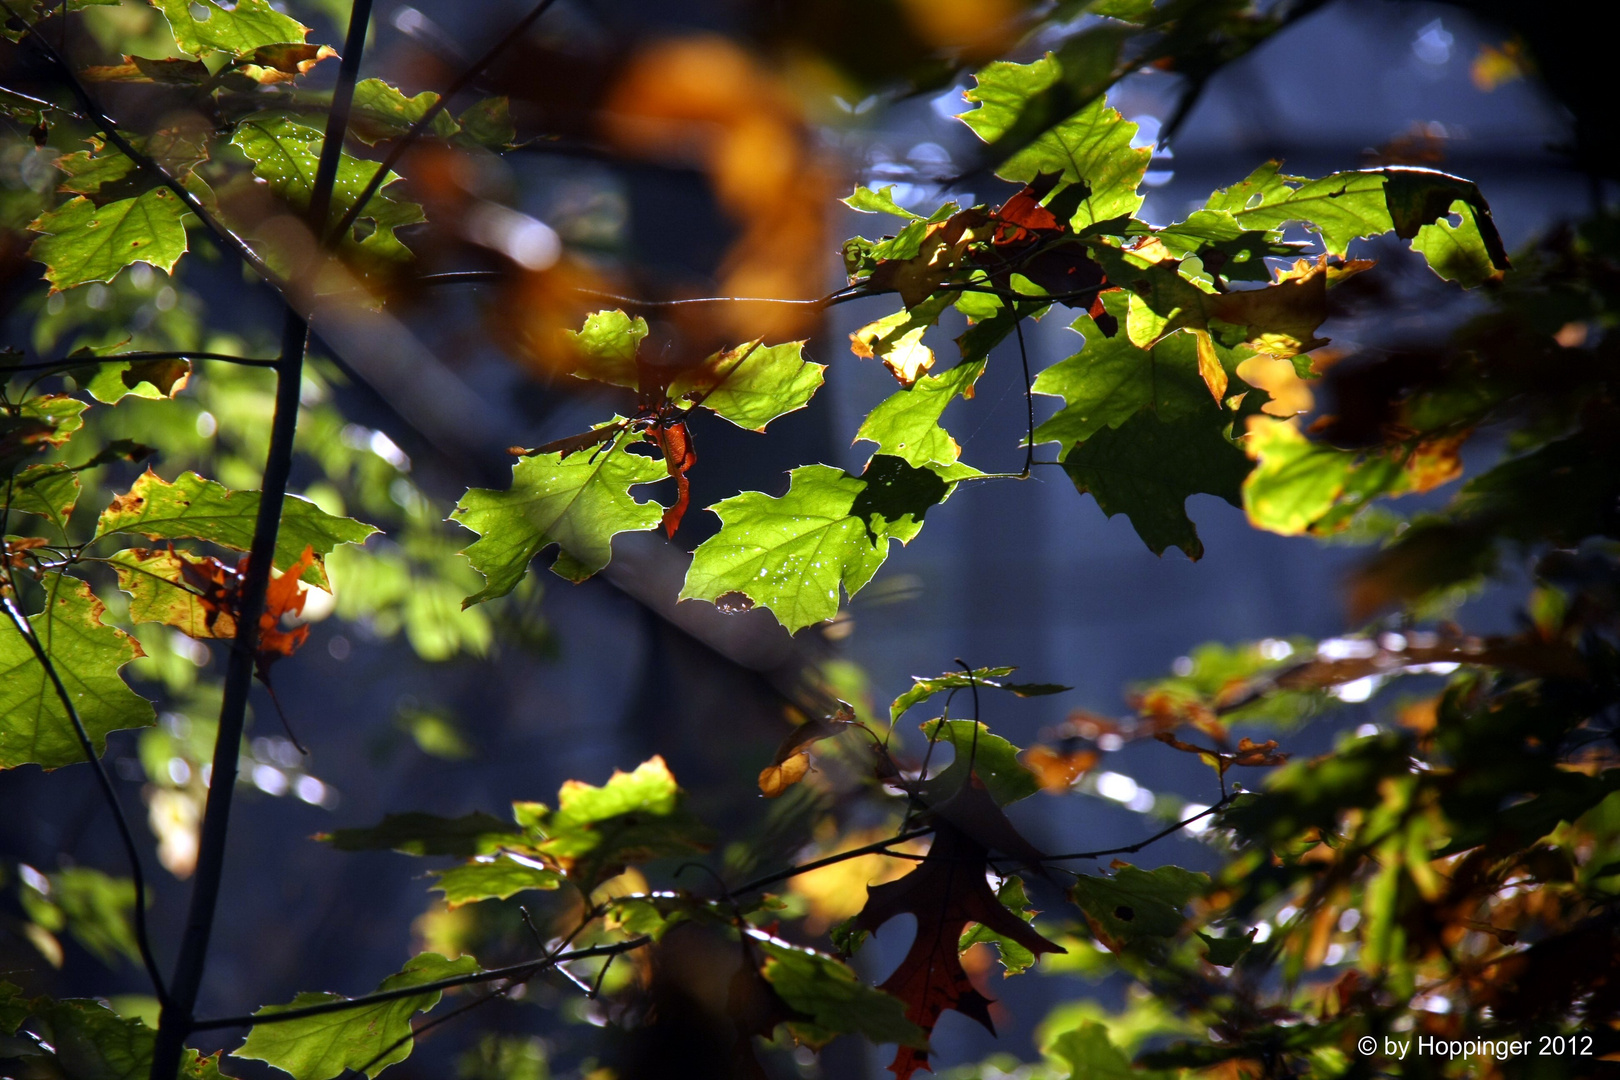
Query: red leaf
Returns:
{"type": "Point", "coordinates": [945, 893]}
{"type": "Point", "coordinates": [679, 457]}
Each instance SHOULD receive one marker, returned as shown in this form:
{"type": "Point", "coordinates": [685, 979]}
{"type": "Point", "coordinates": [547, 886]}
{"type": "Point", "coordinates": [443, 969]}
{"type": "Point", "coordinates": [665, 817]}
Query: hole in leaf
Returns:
{"type": "Point", "coordinates": [1124, 913]}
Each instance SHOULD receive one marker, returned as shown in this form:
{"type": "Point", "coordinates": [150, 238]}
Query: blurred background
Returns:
{"type": "Point", "coordinates": [698, 149]}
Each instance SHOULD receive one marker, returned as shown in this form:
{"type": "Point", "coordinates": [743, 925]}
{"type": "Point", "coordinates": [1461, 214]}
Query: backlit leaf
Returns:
{"type": "Point", "coordinates": [384, 112]}
{"type": "Point", "coordinates": [198, 509]}
{"type": "Point", "coordinates": [906, 424]}
{"type": "Point", "coordinates": [84, 243]}
{"type": "Point", "coordinates": [753, 384]}
{"type": "Point", "coordinates": [87, 655]}
{"type": "Point", "coordinates": [238, 29]}
{"type": "Point", "coordinates": [579, 503]}
{"type": "Point", "coordinates": [51, 491]}
{"type": "Point", "coordinates": [91, 1042]}
{"type": "Point", "coordinates": [496, 879]}
{"type": "Point", "coordinates": [1133, 904]}
{"type": "Point", "coordinates": [830, 530]}
{"type": "Point", "coordinates": [880, 201]}
{"type": "Point", "coordinates": [1015, 958]}
{"type": "Point", "coordinates": [994, 759]}
{"type": "Point", "coordinates": [833, 999]}
{"type": "Point", "coordinates": [161, 591]}
{"type": "Point", "coordinates": [606, 347]}
{"type": "Point", "coordinates": [322, 1047]}
{"type": "Point", "coordinates": [1147, 468]}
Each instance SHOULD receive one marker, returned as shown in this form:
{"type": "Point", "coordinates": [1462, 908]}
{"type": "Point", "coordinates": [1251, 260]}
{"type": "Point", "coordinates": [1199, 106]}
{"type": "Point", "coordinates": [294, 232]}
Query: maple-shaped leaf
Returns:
{"type": "Point", "coordinates": [1091, 147]}
{"type": "Point", "coordinates": [51, 491]}
{"type": "Point", "coordinates": [172, 587]}
{"type": "Point", "coordinates": [494, 878]}
{"type": "Point", "coordinates": [988, 757]}
{"type": "Point", "coordinates": [238, 29]}
{"type": "Point", "coordinates": [906, 423]}
{"type": "Point", "coordinates": [578, 502]}
{"type": "Point", "coordinates": [634, 817]}
{"type": "Point", "coordinates": [326, 1045]}
{"type": "Point", "coordinates": [194, 508]}
{"type": "Point", "coordinates": [1224, 246]}
{"type": "Point", "coordinates": [36, 424]}
{"type": "Point", "coordinates": [945, 893]}
{"type": "Point", "coordinates": [284, 598]}
{"type": "Point", "coordinates": [87, 655]}
{"type": "Point", "coordinates": [1112, 379]}
{"type": "Point", "coordinates": [752, 384]}
{"type": "Point", "coordinates": [605, 348]}
{"type": "Point", "coordinates": [82, 242]}
{"type": "Point", "coordinates": [792, 554]}
{"type": "Point", "coordinates": [286, 155]}
{"type": "Point", "coordinates": [896, 340]}
{"type": "Point", "coordinates": [941, 246]}
{"type": "Point", "coordinates": [1147, 468]}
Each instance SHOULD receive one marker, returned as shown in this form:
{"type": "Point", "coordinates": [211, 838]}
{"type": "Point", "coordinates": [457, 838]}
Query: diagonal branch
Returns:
{"type": "Point", "coordinates": [125, 834]}
{"type": "Point", "coordinates": [415, 131]}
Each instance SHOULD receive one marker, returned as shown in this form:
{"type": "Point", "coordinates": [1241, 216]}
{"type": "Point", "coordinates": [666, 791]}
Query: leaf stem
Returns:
{"type": "Point", "coordinates": [68, 362]}
{"type": "Point", "coordinates": [125, 834]}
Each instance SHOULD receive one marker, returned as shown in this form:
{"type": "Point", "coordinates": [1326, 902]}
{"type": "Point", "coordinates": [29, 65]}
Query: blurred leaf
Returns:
{"type": "Point", "coordinates": [86, 654]}
{"type": "Point", "coordinates": [1136, 904]}
{"type": "Point", "coordinates": [322, 1047]}
{"type": "Point", "coordinates": [497, 879]}
{"type": "Point", "coordinates": [425, 834]}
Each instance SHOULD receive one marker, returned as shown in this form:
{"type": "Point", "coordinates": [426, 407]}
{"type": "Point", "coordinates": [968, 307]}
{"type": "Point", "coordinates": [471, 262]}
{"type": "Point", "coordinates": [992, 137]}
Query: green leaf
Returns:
{"type": "Point", "coordinates": [488, 123]}
{"type": "Point", "coordinates": [322, 1047]}
{"type": "Point", "coordinates": [97, 910]}
{"type": "Point", "coordinates": [286, 155]}
{"type": "Point", "coordinates": [415, 833]}
{"type": "Point", "coordinates": [1015, 958]}
{"type": "Point", "coordinates": [83, 243]}
{"type": "Point", "coordinates": [579, 502]}
{"type": "Point", "coordinates": [924, 688]}
{"type": "Point", "coordinates": [753, 384]}
{"type": "Point", "coordinates": [881, 201]}
{"type": "Point", "coordinates": [238, 29]}
{"type": "Point", "coordinates": [1226, 951]}
{"type": "Point", "coordinates": [634, 817]}
{"type": "Point", "coordinates": [1146, 469]}
{"type": "Point", "coordinates": [1136, 904]}
{"type": "Point", "coordinates": [606, 346]}
{"type": "Point", "coordinates": [51, 491]}
{"type": "Point", "coordinates": [159, 592]}
{"type": "Point", "coordinates": [500, 877]}
{"type": "Point", "coordinates": [906, 424]}
{"type": "Point", "coordinates": [91, 1042]}
{"type": "Point", "coordinates": [833, 999]}
{"type": "Point", "coordinates": [111, 380]}
{"type": "Point", "coordinates": [87, 654]}
{"type": "Point", "coordinates": [1092, 147]}
{"type": "Point", "coordinates": [14, 1007]}
{"type": "Point", "coordinates": [1458, 252]}
{"type": "Point", "coordinates": [831, 529]}
{"type": "Point", "coordinates": [384, 112]}
{"type": "Point", "coordinates": [1302, 486]}
{"type": "Point", "coordinates": [1341, 207]}
{"type": "Point", "coordinates": [995, 762]}
{"type": "Point", "coordinates": [1111, 380]}
{"type": "Point", "coordinates": [1003, 90]}
{"type": "Point", "coordinates": [197, 509]}
{"type": "Point", "coordinates": [1420, 200]}
{"type": "Point", "coordinates": [1091, 1055]}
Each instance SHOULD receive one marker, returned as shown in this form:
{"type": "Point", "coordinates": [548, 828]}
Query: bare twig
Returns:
{"type": "Point", "coordinates": [67, 363]}
{"type": "Point", "coordinates": [1131, 849]}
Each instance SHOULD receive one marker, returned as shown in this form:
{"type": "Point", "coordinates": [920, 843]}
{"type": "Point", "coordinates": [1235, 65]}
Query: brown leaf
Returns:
{"type": "Point", "coordinates": [1057, 770]}
{"type": "Point", "coordinates": [271, 64]}
{"type": "Point", "coordinates": [945, 893]}
{"type": "Point", "coordinates": [774, 780]}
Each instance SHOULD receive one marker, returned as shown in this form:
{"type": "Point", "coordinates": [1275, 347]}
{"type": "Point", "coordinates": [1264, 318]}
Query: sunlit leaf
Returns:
{"type": "Point", "coordinates": [1132, 904]}
{"type": "Point", "coordinates": [383, 112]}
{"type": "Point", "coordinates": [195, 508]}
{"type": "Point", "coordinates": [238, 29]}
{"type": "Point", "coordinates": [606, 348]}
{"type": "Point", "coordinates": [51, 491]}
{"type": "Point", "coordinates": [753, 384]}
{"type": "Point", "coordinates": [906, 424]}
{"type": "Point", "coordinates": [1015, 958]}
{"type": "Point", "coordinates": [994, 761]}
{"type": "Point", "coordinates": [496, 879]}
{"type": "Point", "coordinates": [87, 655]}
{"type": "Point", "coordinates": [83, 242]}
{"type": "Point", "coordinates": [322, 1047]}
{"type": "Point", "coordinates": [578, 502]}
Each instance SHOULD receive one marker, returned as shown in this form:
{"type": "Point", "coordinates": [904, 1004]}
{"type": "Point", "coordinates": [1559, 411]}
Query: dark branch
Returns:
{"type": "Point", "coordinates": [1131, 849]}
{"type": "Point", "coordinates": [854, 853]}
{"type": "Point", "coordinates": [68, 363]}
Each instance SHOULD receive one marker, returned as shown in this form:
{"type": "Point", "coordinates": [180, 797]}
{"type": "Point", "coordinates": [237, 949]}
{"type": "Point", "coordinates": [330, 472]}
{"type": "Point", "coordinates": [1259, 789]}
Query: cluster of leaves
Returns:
{"type": "Point", "coordinates": [1453, 873]}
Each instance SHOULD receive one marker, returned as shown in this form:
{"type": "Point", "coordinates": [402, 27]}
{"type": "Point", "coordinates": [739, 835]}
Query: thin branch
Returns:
{"type": "Point", "coordinates": [137, 875]}
{"type": "Point", "coordinates": [473, 277]}
{"type": "Point", "coordinates": [415, 131]}
{"type": "Point", "coordinates": [41, 102]}
{"type": "Point", "coordinates": [177, 1016]}
{"type": "Point", "coordinates": [1029, 399]}
{"type": "Point", "coordinates": [68, 363]}
{"type": "Point", "coordinates": [1132, 849]}
{"type": "Point", "coordinates": [854, 853]}
{"type": "Point", "coordinates": [528, 969]}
